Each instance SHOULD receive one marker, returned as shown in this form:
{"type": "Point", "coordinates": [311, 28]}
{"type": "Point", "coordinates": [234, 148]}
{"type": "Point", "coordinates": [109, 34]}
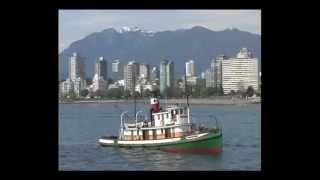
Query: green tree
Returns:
{"type": "Point", "coordinates": [126, 93]}
{"type": "Point", "coordinates": [177, 92]}
{"type": "Point", "coordinates": [220, 90]}
{"type": "Point", "coordinates": [100, 93]}
{"type": "Point", "coordinates": [156, 93]}
{"type": "Point", "coordinates": [114, 93]}
{"type": "Point", "coordinates": [84, 92]}
{"type": "Point", "coordinates": [147, 93]}
{"type": "Point", "coordinates": [209, 91]}
{"type": "Point", "coordinates": [250, 91]}
{"type": "Point", "coordinates": [195, 91]}
{"type": "Point", "coordinates": [137, 94]}
{"type": "Point", "coordinates": [232, 92]}
{"type": "Point", "coordinates": [201, 85]}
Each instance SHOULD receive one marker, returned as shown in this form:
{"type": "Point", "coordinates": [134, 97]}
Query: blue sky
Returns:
{"type": "Point", "coordinates": [76, 24]}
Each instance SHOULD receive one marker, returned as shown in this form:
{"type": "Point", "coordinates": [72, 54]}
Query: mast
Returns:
{"type": "Point", "coordinates": [166, 98]}
{"type": "Point", "coordinates": [185, 89]}
{"type": "Point", "coordinates": [187, 94]}
{"type": "Point", "coordinates": [134, 89]}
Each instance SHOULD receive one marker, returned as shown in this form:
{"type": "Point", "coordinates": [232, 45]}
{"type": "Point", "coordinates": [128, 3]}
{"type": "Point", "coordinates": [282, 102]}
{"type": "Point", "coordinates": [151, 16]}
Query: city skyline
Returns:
{"type": "Point", "coordinates": [89, 21]}
{"type": "Point", "coordinates": [225, 74]}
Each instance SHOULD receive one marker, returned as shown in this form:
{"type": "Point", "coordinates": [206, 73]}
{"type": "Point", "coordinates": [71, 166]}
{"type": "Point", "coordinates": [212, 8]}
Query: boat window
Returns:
{"type": "Point", "coordinates": [162, 116]}
{"type": "Point", "coordinates": [181, 111]}
{"type": "Point", "coordinates": [167, 115]}
{"type": "Point", "coordinates": [158, 116]}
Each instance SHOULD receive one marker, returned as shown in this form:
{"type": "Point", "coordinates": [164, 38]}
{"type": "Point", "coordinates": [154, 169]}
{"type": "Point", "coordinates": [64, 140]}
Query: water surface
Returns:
{"type": "Point", "coordinates": [80, 125]}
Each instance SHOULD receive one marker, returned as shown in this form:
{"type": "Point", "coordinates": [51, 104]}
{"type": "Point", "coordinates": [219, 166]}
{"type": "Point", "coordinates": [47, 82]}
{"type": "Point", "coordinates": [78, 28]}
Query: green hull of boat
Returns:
{"type": "Point", "coordinates": [209, 143]}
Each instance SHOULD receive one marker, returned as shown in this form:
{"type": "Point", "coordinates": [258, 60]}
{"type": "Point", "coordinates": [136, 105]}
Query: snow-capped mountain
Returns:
{"type": "Point", "coordinates": [127, 43]}
{"type": "Point", "coordinates": [134, 29]}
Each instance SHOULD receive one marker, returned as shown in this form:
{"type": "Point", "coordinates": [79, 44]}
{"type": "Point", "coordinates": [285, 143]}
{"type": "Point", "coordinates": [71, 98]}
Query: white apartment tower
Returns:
{"type": "Point", "coordinates": [98, 83]}
{"type": "Point", "coordinates": [190, 69]}
{"type": "Point", "coordinates": [240, 72]}
{"type": "Point", "coordinates": [66, 86]}
{"type": "Point", "coordinates": [131, 75]}
{"type": "Point", "coordinates": [78, 85]}
{"type": "Point", "coordinates": [166, 76]}
{"type": "Point", "coordinates": [99, 80]}
{"type": "Point", "coordinates": [117, 70]}
{"type": "Point", "coordinates": [217, 66]}
{"type": "Point", "coordinates": [76, 67]}
{"type": "Point", "coordinates": [144, 71]}
{"type": "Point", "coordinates": [76, 81]}
{"type": "Point", "coordinates": [101, 68]}
{"type": "Point", "coordinates": [154, 74]}
{"type": "Point", "coordinates": [209, 75]}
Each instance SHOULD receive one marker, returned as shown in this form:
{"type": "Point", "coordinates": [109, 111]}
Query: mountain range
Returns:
{"type": "Point", "coordinates": [197, 43]}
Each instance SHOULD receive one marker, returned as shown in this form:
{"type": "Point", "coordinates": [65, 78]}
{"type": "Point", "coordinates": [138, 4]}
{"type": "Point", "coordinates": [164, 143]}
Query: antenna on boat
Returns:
{"type": "Point", "coordinates": [185, 87]}
{"type": "Point", "coordinates": [187, 94]}
{"type": "Point", "coordinates": [166, 98]}
{"type": "Point", "coordinates": [134, 90]}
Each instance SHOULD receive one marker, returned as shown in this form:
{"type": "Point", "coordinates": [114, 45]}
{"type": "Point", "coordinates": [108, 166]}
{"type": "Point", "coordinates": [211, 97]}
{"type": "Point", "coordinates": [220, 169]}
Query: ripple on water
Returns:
{"type": "Point", "coordinates": [79, 125]}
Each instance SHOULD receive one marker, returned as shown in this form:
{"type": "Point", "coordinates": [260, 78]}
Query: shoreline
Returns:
{"type": "Point", "coordinates": [194, 101]}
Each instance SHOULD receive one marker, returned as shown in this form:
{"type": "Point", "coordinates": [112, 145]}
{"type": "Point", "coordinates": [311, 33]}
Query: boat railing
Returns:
{"type": "Point", "coordinates": [124, 116]}
{"type": "Point", "coordinates": [140, 117]}
{"type": "Point", "coordinates": [129, 122]}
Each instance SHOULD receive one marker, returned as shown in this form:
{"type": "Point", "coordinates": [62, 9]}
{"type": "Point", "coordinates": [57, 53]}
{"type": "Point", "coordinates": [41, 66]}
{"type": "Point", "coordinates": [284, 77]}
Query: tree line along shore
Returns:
{"type": "Point", "coordinates": [192, 101]}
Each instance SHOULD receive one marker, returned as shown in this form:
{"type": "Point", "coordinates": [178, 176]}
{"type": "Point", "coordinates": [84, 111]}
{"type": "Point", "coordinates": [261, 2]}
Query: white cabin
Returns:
{"type": "Point", "coordinates": [169, 123]}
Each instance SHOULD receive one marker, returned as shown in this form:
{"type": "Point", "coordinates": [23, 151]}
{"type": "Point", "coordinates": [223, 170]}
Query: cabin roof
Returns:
{"type": "Point", "coordinates": [169, 108]}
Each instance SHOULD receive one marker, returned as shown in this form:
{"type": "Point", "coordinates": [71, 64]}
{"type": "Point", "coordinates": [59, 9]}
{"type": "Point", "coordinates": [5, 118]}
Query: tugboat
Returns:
{"type": "Point", "coordinates": [169, 130]}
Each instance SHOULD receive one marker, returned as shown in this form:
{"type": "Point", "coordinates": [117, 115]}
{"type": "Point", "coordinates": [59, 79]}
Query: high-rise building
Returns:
{"type": "Point", "coordinates": [101, 68]}
{"type": "Point", "coordinates": [217, 68]}
{"type": "Point", "coordinates": [131, 75]}
{"type": "Point", "coordinates": [170, 72]}
{"type": "Point", "coordinates": [209, 77]}
{"type": "Point", "coordinates": [144, 71]}
{"type": "Point", "coordinates": [154, 74]}
{"type": "Point", "coordinates": [76, 67]}
{"type": "Point", "coordinates": [117, 70]}
{"type": "Point", "coordinates": [203, 74]}
{"type": "Point", "coordinates": [98, 83]}
{"type": "Point", "coordinates": [192, 80]}
{"type": "Point", "coordinates": [240, 72]}
{"type": "Point", "coordinates": [166, 76]}
{"type": "Point", "coordinates": [76, 81]}
{"type": "Point", "coordinates": [190, 69]}
{"type": "Point", "coordinates": [78, 85]}
{"type": "Point", "coordinates": [66, 86]}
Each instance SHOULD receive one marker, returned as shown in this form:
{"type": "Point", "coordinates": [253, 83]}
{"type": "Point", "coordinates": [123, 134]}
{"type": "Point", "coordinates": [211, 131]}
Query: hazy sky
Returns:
{"type": "Point", "coordinates": [76, 24]}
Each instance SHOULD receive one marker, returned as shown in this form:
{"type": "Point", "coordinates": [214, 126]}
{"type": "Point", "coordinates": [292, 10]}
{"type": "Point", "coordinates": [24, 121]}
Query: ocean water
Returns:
{"type": "Point", "coordinates": [80, 126]}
